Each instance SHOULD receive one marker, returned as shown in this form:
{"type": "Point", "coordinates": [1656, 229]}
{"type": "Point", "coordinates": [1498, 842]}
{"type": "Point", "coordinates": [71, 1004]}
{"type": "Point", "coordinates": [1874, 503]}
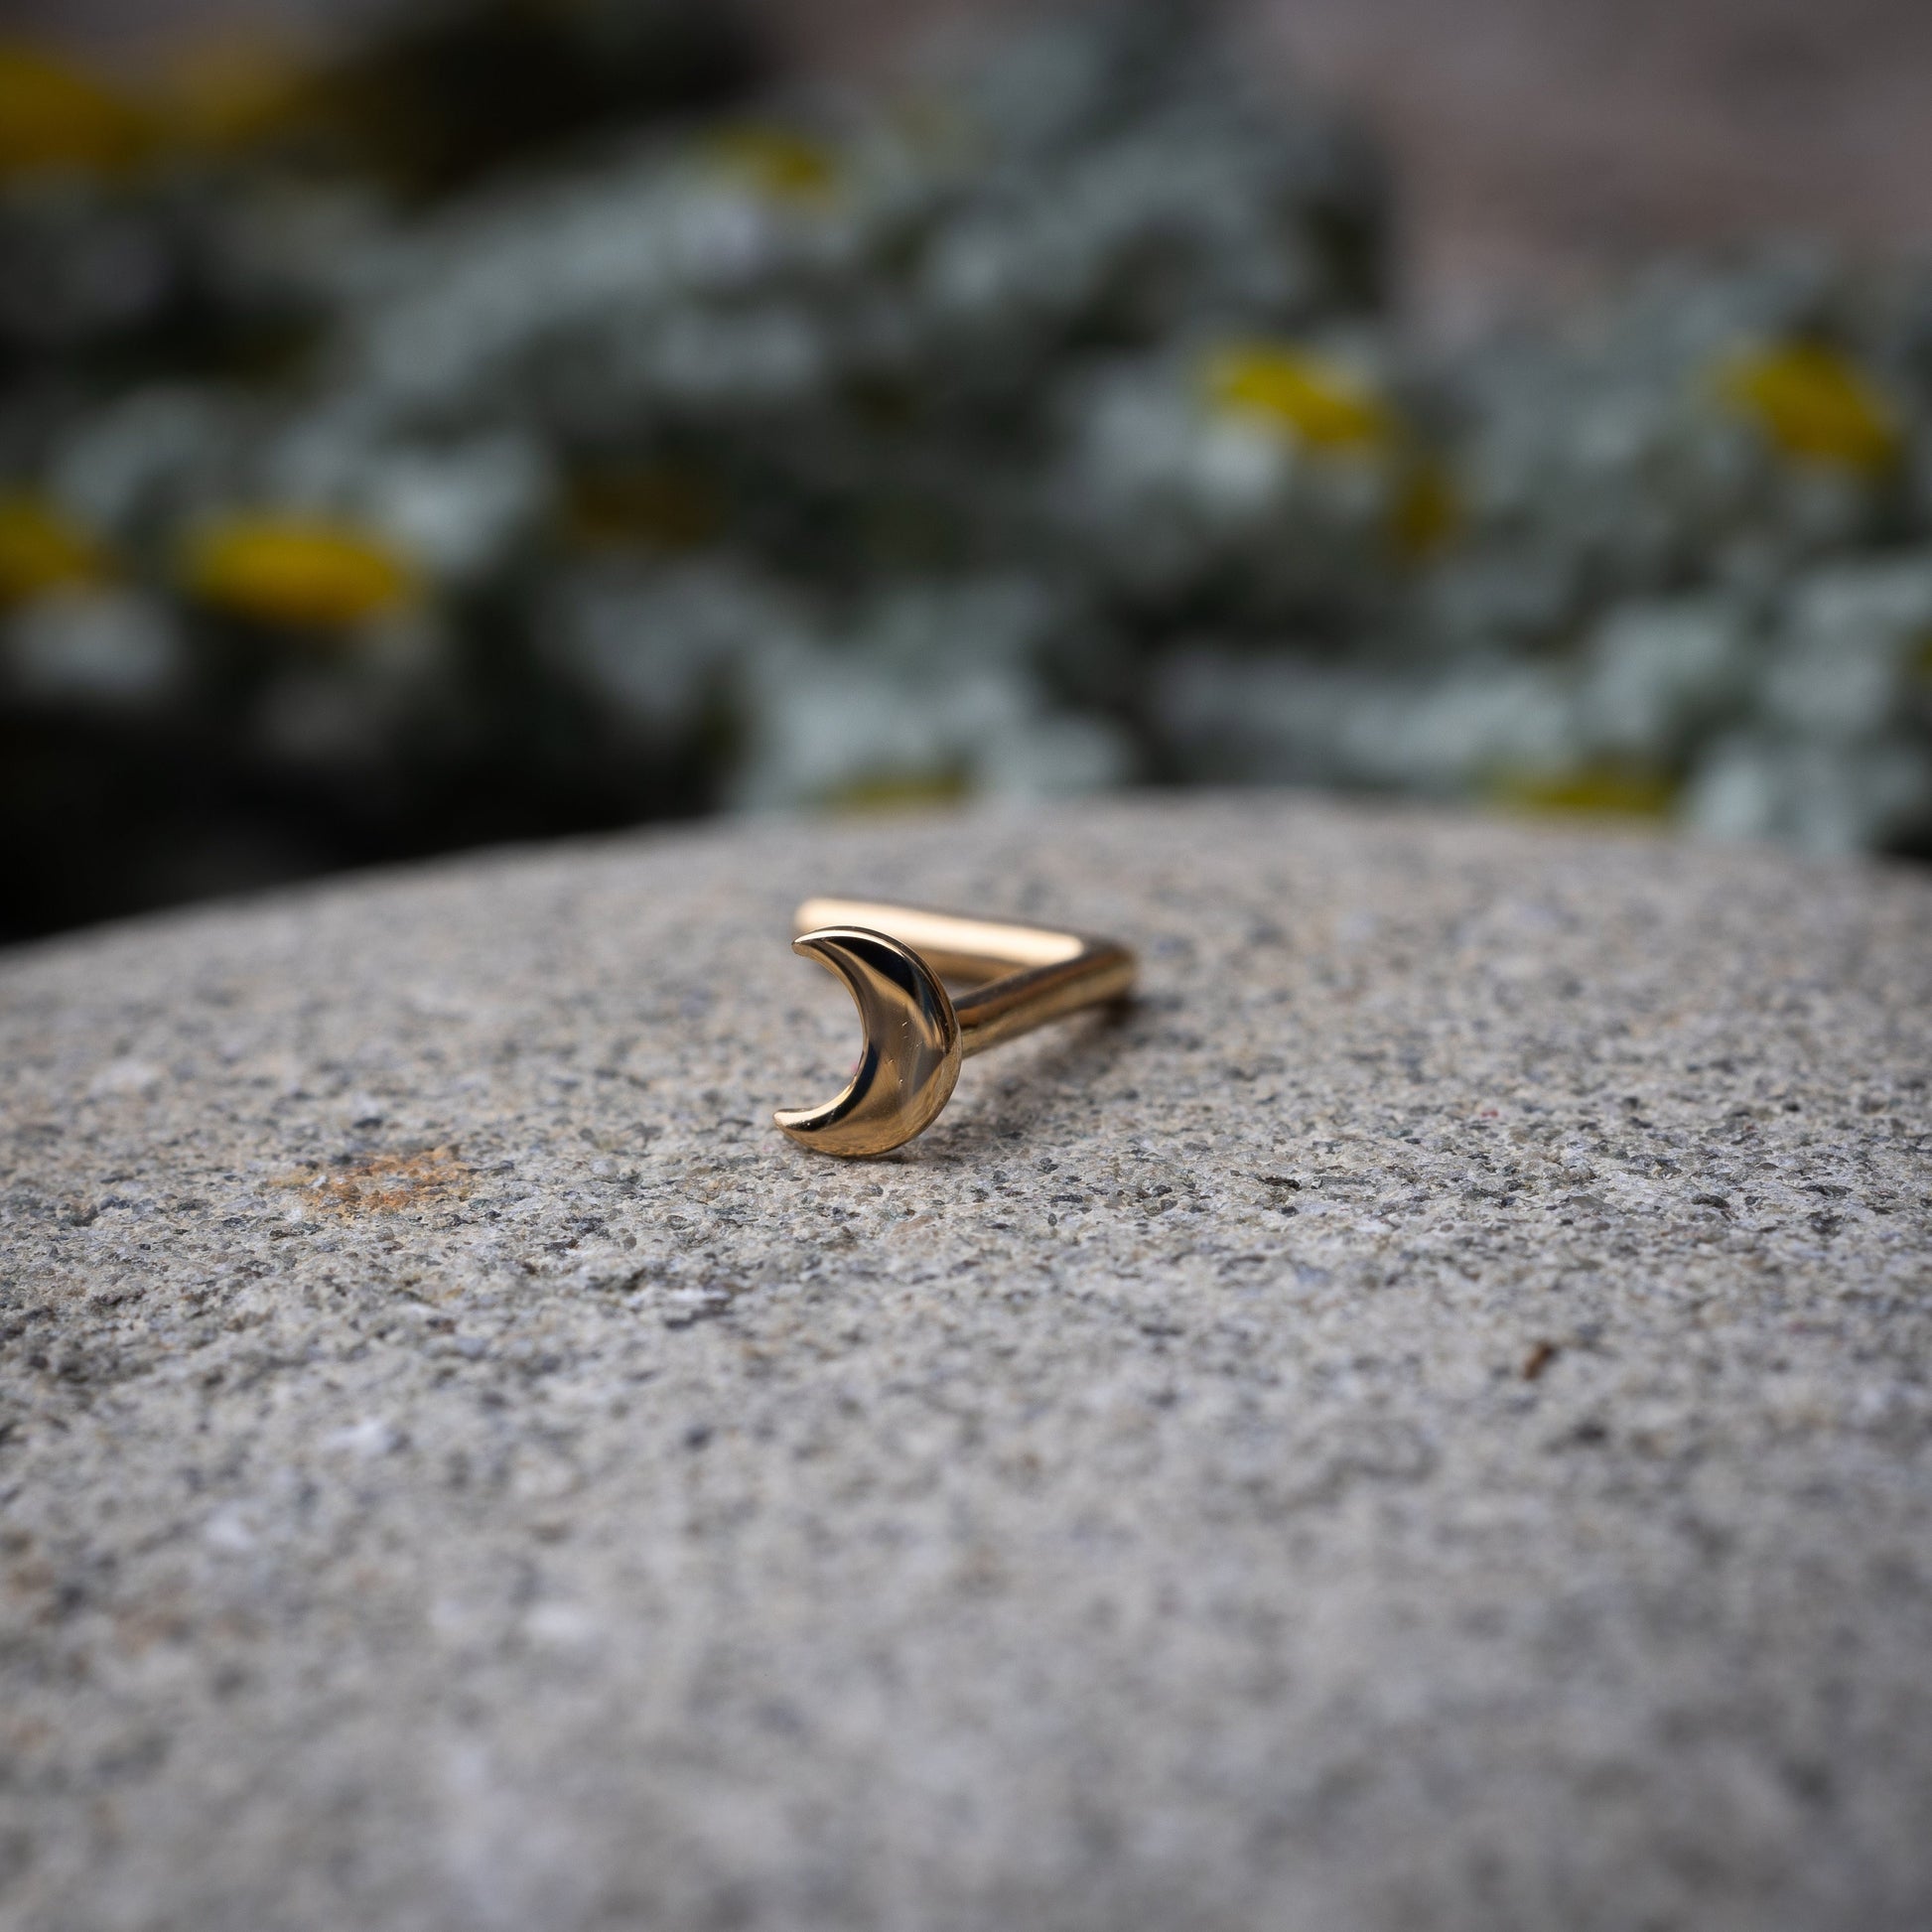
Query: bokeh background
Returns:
{"type": "Point", "coordinates": [431, 424]}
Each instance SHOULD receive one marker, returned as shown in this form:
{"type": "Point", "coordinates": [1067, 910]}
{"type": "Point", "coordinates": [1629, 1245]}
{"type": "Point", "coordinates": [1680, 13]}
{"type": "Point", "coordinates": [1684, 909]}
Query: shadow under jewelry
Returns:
{"type": "Point", "coordinates": [1036, 1080]}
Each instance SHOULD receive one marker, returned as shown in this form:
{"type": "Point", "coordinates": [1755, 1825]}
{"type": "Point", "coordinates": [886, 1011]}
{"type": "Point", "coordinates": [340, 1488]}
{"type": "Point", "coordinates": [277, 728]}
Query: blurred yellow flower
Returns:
{"type": "Point", "coordinates": [1428, 512]}
{"type": "Point", "coordinates": [308, 572]}
{"type": "Point", "coordinates": [43, 549]}
{"type": "Point", "coordinates": [1326, 407]}
{"type": "Point", "coordinates": [54, 116]}
{"type": "Point", "coordinates": [1600, 791]}
{"type": "Point", "coordinates": [223, 95]}
{"type": "Point", "coordinates": [898, 790]}
{"type": "Point", "coordinates": [1319, 401]}
{"type": "Point", "coordinates": [1815, 404]}
{"type": "Point", "coordinates": [785, 166]}
{"type": "Point", "coordinates": [659, 507]}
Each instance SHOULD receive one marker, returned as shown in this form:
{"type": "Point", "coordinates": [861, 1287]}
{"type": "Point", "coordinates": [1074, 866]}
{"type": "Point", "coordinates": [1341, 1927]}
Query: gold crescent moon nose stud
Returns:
{"type": "Point", "coordinates": [895, 961]}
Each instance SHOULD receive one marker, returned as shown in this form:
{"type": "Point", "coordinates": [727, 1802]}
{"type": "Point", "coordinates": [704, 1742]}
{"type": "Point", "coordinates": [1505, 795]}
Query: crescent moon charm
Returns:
{"type": "Point", "coordinates": [1016, 977]}
{"type": "Point", "coordinates": [911, 1063]}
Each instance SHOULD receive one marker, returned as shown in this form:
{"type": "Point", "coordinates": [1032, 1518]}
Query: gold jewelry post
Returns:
{"type": "Point", "coordinates": [894, 960]}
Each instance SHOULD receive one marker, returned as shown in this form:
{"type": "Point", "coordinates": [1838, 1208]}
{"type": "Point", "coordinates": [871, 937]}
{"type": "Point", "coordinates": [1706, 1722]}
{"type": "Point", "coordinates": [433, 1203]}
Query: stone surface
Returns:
{"type": "Point", "coordinates": [1423, 1424]}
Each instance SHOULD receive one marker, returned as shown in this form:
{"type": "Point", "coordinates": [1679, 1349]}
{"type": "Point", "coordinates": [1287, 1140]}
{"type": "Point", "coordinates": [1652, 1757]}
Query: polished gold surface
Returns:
{"type": "Point", "coordinates": [912, 1051]}
{"type": "Point", "coordinates": [894, 960]}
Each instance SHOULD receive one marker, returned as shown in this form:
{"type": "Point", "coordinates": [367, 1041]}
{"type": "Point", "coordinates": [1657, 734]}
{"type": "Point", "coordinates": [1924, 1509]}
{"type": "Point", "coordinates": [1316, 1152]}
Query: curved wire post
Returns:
{"type": "Point", "coordinates": [894, 960]}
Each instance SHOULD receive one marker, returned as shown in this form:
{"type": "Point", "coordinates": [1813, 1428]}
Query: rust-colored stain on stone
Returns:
{"type": "Point", "coordinates": [385, 1183]}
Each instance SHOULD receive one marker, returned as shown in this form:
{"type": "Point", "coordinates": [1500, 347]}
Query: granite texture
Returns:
{"type": "Point", "coordinates": [1427, 1423]}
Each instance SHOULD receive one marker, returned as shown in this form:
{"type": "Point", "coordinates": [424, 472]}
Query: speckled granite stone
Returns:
{"type": "Point", "coordinates": [1426, 1423]}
